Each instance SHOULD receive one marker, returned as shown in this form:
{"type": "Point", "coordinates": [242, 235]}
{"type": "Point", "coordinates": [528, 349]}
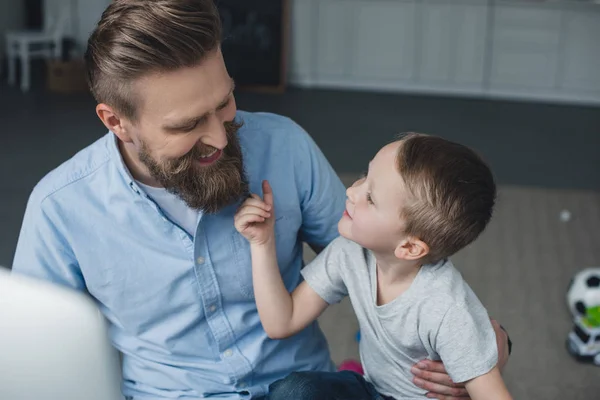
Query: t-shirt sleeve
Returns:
{"type": "Point", "coordinates": [466, 342]}
{"type": "Point", "coordinates": [324, 274]}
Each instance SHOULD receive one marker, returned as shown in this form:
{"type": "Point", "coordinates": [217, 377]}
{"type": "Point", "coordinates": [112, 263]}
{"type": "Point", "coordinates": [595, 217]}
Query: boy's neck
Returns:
{"type": "Point", "coordinates": [395, 270]}
{"type": "Point", "coordinates": [394, 277]}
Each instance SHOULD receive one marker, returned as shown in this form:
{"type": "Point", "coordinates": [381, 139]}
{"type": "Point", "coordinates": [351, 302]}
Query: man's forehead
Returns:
{"type": "Point", "coordinates": [204, 104]}
{"type": "Point", "coordinates": [174, 94]}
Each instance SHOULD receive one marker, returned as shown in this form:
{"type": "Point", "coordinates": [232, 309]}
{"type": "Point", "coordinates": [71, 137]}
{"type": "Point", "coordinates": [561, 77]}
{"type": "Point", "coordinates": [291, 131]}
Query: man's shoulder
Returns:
{"type": "Point", "coordinates": [76, 169]}
{"type": "Point", "coordinates": [270, 127]}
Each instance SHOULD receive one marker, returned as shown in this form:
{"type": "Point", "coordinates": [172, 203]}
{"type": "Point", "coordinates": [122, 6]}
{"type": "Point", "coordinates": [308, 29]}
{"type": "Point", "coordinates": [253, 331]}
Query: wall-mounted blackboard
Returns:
{"type": "Point", "coordinates": [255, 41]}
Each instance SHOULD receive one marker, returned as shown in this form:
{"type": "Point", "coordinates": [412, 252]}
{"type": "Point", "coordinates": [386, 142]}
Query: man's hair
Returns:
{"type": "Point", "coordinates": [452, 189]}
{"type": "Point", "coordinates": [138, 37]}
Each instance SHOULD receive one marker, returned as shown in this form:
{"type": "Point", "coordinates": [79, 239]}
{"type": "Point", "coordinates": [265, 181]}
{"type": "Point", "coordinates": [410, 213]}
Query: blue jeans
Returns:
{"type": "Point", "coordinates": [344, 385]}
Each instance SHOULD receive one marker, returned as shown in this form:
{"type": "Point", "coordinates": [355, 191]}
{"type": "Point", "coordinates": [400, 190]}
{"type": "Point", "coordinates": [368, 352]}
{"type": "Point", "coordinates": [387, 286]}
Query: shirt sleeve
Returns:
{"type": "Point", "coordinates": [321, 192]}
{"type": "Point", "coordinates": [324, 274]}
{"type": "Point", "coordinates": [466, 342]}
{"type": "Point", "coordinates": [42, 250]}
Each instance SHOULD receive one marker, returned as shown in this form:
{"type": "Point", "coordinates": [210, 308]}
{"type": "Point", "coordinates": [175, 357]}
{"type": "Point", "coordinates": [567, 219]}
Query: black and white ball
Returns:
{"type": "Point", "coordinates": [584, 291]}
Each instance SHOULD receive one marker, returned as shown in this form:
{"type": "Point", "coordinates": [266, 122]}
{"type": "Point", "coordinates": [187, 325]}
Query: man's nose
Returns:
{"type": "Point", "coordinates": [217, 134]}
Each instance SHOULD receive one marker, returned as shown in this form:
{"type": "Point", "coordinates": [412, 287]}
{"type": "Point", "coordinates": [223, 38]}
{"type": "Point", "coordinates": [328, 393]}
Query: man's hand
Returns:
{"type": "Point", "coordinates": [502, 342]}
{"type": "Point", "coordinates": [255, 219]}
{"type": "Point", "coordinates": [432, 376]}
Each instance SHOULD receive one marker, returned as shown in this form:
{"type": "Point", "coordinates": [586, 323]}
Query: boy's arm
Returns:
{"type": "Point", "coordinates": [488, 387]}
{"type": "Point", "coordinates": [466, 343]}
{"type": "Point", "coordinates": [282, 314]}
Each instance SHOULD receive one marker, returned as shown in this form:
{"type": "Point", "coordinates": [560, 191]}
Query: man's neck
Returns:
{"type": "Point", "coordinates": [138, 171]}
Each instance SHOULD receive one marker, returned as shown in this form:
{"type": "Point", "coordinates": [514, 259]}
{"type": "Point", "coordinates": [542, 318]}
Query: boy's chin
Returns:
{"type": "Point", "coordinates": [344, 229]}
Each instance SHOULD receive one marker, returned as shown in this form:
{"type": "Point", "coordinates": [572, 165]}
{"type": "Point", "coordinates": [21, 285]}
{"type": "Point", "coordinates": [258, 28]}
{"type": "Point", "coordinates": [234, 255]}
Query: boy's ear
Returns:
{"type": "Point", "coordinates": [411, 249]}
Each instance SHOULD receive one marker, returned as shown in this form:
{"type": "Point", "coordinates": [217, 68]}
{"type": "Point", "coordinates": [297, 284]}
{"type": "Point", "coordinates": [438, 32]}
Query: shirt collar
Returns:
{"type": "Point", "coordinates": [117, 157]}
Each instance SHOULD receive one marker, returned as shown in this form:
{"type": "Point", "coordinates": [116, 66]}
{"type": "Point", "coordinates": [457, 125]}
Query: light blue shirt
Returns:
{"type": "Point", "coordinates": [181, 308]}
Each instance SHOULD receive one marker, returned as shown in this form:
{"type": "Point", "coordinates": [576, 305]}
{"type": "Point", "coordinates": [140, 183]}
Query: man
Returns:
{"type": "Point", "coordinates": [142, 219]}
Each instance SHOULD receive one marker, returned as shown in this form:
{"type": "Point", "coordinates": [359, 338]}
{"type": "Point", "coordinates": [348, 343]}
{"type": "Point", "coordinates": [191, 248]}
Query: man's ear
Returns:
{"type": "Point", "coordinates": [111, 119]}
{"type": "Point", "coordinates": [411, 249]}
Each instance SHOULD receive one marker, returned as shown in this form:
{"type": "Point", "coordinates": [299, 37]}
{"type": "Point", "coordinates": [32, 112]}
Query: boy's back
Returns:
{"type": "Point", "coordinates": [438, 317]}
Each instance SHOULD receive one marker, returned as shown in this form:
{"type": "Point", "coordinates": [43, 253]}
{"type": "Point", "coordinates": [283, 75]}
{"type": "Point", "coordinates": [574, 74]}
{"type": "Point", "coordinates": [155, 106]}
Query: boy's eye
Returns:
{"type": "Point", "coordinates": [363, 175]}
{"type": "Point", "coordinates": [369, 199]}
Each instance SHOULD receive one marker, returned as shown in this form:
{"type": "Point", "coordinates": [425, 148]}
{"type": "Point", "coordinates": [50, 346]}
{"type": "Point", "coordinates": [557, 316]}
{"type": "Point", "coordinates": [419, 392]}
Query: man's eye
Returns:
{"type": "Point", "coordinates": [189, 128]}
{"type": "Point", "coordinates": [369, 198]}
{"type": "Point", "coordinates": [224, 105]}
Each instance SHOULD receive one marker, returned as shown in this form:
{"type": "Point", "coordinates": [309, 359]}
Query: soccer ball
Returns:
{"type": "Point", "coordinates": [584, 291]}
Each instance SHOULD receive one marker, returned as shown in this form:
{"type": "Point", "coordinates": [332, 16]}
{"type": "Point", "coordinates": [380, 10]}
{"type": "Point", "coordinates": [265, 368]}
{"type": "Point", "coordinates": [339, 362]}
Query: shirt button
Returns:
{"type": "Point", "coordinates": [200, 260]}
{"type": "Point", "coordinates": [213, 308]}
{"type": "Point", "coordinates": [228, 353]}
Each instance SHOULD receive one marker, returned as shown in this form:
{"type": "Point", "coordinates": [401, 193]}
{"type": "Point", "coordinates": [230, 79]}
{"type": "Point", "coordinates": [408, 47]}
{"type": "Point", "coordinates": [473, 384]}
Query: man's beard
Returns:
{"type": "Point", "coordinates": [207, 188]}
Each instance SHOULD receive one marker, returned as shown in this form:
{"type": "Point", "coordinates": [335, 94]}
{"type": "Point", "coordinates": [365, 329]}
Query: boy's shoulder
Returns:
{"type": "Point", "coordinates": [446, 286]}
{"type": "Point", "coordinates": [342, 249]}
{"type": "Point", "coordinates": [343, 255]}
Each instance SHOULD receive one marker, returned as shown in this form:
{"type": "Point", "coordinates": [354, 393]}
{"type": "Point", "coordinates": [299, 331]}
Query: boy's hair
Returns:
{"type": "Point", "coordinates": [138, 37]}
{"type": "Point", "coordinates": [453, 193]}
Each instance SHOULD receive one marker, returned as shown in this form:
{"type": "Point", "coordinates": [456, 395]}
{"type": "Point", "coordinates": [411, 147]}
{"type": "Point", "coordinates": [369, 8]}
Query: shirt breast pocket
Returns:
{"type": "Point", "coordinates": [288, 247]}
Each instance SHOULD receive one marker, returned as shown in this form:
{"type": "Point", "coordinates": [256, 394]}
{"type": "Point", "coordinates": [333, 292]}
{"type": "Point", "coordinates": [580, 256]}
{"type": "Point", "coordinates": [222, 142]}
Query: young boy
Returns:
{"type": "Point", "coordinates": [423, 199]}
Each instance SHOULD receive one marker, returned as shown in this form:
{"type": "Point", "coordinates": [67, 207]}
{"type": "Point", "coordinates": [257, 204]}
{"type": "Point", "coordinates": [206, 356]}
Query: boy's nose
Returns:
{"type": "Point", "coordinates": [350, 193]}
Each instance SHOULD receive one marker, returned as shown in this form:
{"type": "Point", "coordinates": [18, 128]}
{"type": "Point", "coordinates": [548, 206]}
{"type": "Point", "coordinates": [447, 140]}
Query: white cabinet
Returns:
{"type": "Point", "coordinates": [526, 42]}
{"type": "Point", "coordinates": [385, 40]}
{"type": "Point", "coordinates": [581, 58]}
{"type": "Point", "coordinates": [525, 49]}
{"type": "Point", "coordinates": [333, 44]}
{"type": "Point", "coordinates": [301, 41]}
{"type": "Point", "coordinates": [453, 43]}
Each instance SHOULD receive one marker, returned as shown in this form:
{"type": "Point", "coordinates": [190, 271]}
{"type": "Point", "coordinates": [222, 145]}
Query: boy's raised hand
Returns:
{"type": "Point", "coordinates": [255, 219]}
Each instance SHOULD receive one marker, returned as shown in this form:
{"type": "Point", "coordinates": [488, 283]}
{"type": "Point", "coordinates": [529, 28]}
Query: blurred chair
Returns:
{"type": "Point", "coordinates": [27, 44]}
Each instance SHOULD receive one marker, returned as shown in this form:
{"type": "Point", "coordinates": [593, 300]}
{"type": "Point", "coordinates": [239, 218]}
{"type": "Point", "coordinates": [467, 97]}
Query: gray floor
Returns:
{"type": "Point", "coordinates": [545, 157]}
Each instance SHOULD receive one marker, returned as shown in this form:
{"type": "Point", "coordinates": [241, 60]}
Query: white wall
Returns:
{"type": "Point", "coordinates": [12, 17]}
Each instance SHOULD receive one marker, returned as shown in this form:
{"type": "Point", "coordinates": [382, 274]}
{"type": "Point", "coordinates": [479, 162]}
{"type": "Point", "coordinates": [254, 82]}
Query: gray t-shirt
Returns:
{"type": "Point", "coordinates": [438, 317]}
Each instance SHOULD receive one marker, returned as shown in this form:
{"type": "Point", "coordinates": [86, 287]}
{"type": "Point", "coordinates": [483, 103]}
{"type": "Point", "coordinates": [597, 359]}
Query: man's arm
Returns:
{"type": "Point", "coordinates": [321, 193]}
{"type": "Point", "coordinates": [43, 250]}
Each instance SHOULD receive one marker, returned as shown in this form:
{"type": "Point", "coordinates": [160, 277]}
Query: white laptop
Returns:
{"type": "Point", "coordinates": [53, 344]}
